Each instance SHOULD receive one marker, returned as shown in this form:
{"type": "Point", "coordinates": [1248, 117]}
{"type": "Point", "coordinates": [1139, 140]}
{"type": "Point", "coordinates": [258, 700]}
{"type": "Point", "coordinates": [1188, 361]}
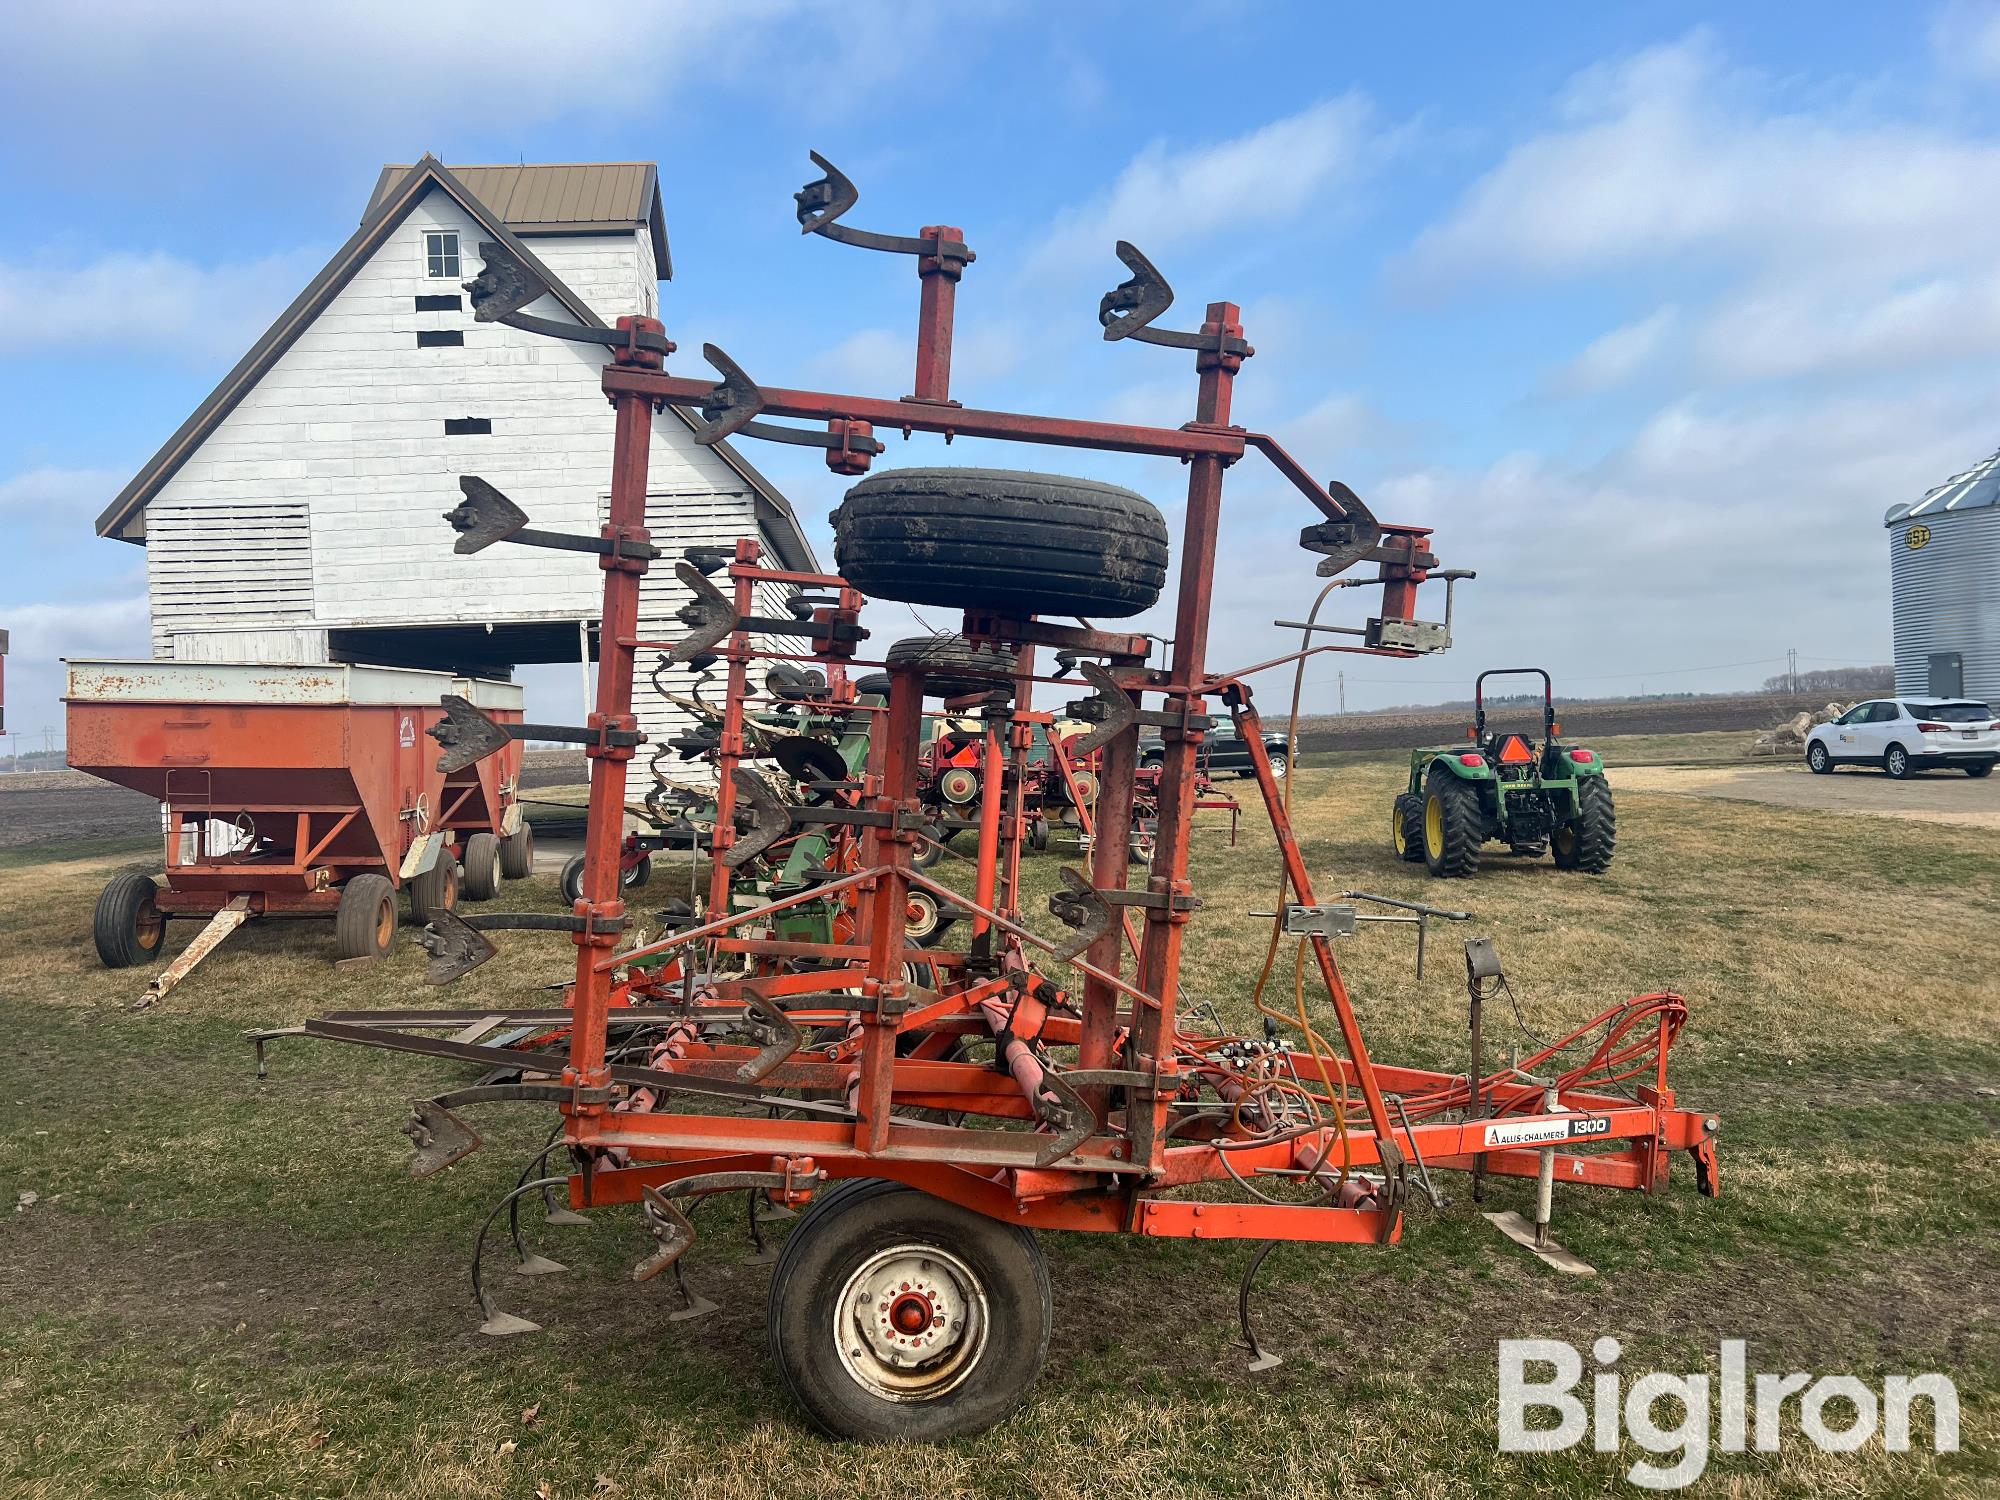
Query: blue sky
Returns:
{"type": "Point", "coordinates": [1650, 310]}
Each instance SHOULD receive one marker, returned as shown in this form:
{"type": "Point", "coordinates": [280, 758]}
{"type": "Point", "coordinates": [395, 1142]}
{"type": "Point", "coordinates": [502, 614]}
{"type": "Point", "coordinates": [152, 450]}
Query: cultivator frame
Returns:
{"type": "Point", "coordinates": [780, 1066]}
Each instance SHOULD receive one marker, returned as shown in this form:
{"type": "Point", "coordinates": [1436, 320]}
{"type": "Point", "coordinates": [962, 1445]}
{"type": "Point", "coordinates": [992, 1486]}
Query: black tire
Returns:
{"type": "Point", "coordinates": [1001, 542]}
{"type": "Point", "coordinates": [1819, 759]}
{"type": "Point", "coordinates": [929, 852]}
{"type": "Point", "coordinates": [517, 853]}
{"type": "Point", "coordinates": [1038, 835]}
{"type": "Point", "coordinates": [437, 889]}
{"type": "Point", "coordinates": [570, 882]}
{"type": "Point", "coordinates": [952, 666]}
{"type": "Point", "coordinates": [1896, 761]}
{"type": "Point", "coordinates": [364, 924]}
{"type": "Point", "coordinates": [874, 685]}
{"type": "Point", "coordinates": [851, 1241]}
{"type": "Point", "coordinates": [1587, 842]}
{"type": "Point", "coordinates": [927, 931]}
{"type": "Point", "coordinates": [1982, 768]}
{"type": "Point", "coordinates": [128, 926]}
{"type": "Point", "coordinates": [1406, 828]}
{"type": "Point", "coordinates": [1281, 765]}
{"type": "Point", "coordinates": [481, 878]}
{"type": "Point", "coordinates": [1454, 828]}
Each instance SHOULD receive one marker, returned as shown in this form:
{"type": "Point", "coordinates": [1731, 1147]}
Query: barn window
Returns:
{"type": "Point", "coordinates": [441, 253]}
{"type": "Point", "coordinates": [440, 338]}
{"type": "Point", "coordinates": [467, 426]}
{"type": "Point", "coordinates": [443, 302]}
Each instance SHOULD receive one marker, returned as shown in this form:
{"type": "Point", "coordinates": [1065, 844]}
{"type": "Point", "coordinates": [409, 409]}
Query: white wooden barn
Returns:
{"type": "Point", "coordinates": [297, 514]}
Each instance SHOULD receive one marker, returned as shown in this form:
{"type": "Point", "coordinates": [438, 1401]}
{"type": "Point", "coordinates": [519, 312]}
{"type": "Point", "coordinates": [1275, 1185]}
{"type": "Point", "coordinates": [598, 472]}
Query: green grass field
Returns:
{"type": "Point", "coordinates": [227, 1287]}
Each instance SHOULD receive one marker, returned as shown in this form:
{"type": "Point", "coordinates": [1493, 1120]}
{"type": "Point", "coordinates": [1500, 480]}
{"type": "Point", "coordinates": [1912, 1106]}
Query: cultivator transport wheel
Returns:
{"type": "Point", "coordinates": [128, 926]}
{"type": "Point", "coordinates": [517, 853]}
{"type": "Point", "coordinates": [481, 879]}
{"type": "Point", "coordinates": [1406, 828]}
{"type": "Point", "coordinates": [953, 666]}
{"type": "Point", "coordinates": [927, 919]}
{"type": "Point", "coordinates": [897, 1316]}
{"type": "Point", "coordinates": [1001, 542]}
{"type": "Point", "coordinates": [959, 785]}
{"type": "Point", "coordinates": [364, 924]}
{"type": "Point", "coordinates": [1038, 835]}
{"type": "Point", "coordinates": [436, 890]}
{"type": "Point", "coordinates": [931, 850]}
{"type": "Point", "coordinates": [1452, 825]}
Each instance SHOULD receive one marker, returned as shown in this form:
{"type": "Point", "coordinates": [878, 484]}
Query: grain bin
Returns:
{"type": "Point", "coordinates": [1944, 585]}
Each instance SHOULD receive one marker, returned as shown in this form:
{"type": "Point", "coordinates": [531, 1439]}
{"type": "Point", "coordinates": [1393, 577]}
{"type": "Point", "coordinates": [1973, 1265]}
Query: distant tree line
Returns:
{"type": "Point", "coordinates": [1835, 682]}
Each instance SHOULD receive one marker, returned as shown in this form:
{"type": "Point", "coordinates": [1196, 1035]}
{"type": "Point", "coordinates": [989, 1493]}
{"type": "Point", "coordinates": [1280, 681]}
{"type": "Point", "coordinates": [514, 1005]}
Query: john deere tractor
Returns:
{"type": "Point", "coordinates": [1502, 787]}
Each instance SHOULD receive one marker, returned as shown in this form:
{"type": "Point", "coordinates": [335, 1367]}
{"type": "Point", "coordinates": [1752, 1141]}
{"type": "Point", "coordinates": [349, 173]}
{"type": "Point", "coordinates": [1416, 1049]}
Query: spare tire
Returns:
{"type": "Point", "coordinates": [952, 665]}
{"type": "Point", "coordinates": [999, 542]}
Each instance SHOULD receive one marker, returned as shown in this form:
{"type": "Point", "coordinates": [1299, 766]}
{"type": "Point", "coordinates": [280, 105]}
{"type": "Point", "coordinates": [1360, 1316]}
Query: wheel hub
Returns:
{"type": "Point", "coordinates": [911, 1322]}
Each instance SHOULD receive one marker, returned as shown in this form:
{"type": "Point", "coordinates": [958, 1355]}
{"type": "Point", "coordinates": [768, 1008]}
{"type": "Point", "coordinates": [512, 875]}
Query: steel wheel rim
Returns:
{"type": "Point", "coordinates": [1280, 765]}
{"type": "Point", "coordinates": [148, 925]}
{"type": "Point", "coordinates": [920, 926]}
{"type": "Point", "coordinates": [1398, 835]}
{"type": "Point", "coordinates": [385, 924]}
{"type": "Point", "coordinates": [910, 1323]}
{"type": "Point", "coordinates": [1434, 824]}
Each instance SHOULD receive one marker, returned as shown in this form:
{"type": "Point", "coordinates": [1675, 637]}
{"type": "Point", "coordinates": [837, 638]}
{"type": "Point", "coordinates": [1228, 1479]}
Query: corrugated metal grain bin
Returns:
{"type": "Point", "coordinates": [1944, 584]}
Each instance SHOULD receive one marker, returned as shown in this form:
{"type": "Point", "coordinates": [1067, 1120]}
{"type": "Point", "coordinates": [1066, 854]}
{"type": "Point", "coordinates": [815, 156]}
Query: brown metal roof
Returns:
{"type": "Point", "coordinates": [549, 197]}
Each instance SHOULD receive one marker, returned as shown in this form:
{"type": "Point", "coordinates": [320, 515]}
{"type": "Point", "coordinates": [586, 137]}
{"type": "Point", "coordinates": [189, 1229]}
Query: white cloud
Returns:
{"type": "Point", "coordinates": [1801, 326]}
{"type": "Point", "coordinates": [1167, 198]}
{"type": "Point", "coordinates": [59, 495]}
{"type": "Point", "coordinates": [148, 300]}
{"type": "Point", "coordinates": [1669, 154]}
{"type": "Point", "coordinates": [1613, 358]}
{"type": "Point", "coordinates": [1966, 37]}
{"type": "Point", "coordinates": [40, 635]}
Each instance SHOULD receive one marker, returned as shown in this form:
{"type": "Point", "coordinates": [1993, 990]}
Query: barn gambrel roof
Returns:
{"type": "Point", "coordinates": [388, 209]}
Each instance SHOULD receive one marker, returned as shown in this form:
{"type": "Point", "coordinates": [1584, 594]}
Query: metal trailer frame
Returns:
{"type": "Point", "coordinates": [1104, 1101]}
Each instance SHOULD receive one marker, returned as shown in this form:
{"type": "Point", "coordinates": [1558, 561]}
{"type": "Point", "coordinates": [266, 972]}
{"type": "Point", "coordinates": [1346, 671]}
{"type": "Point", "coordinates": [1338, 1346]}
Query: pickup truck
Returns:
{"type": "Point", "coordinates": [1223, 750]}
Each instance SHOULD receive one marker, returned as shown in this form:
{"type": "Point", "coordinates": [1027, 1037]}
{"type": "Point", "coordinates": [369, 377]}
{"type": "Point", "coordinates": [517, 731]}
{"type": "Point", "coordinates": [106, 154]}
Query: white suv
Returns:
{"type": "Point", "coordinates": [1909, 735]}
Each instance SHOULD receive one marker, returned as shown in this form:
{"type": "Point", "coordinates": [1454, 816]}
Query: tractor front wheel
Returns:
{"type": "Point", "coordinates": [1406, 827]}
{"type": "Point", "coordinates": [895, 1316]}
{"type": "Point", "coordinates": [1453, 826]}
{"type": "Point", "coordinates": [1587, 841]}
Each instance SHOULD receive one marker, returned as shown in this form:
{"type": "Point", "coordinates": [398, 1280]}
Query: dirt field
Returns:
{"type": "Point", "coordinates": [222, 1287]}
{"type": "Point", "coordinates": [1410, 729]}
{"type": "Point", "coordinates": [1931, 797]}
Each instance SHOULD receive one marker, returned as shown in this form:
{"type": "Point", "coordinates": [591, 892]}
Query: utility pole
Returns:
{"type": "Point", "coordinates": [1792, 670]}
{"type": "Point", "coordinates": [1343, 690]}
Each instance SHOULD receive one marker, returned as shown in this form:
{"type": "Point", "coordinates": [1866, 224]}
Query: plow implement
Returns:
{"type": "Point", "coordinates": [926, 1074]}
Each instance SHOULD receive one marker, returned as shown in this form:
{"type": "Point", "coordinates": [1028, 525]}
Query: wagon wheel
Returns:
{"type": "Point", "coordinates": [364, 924]}
{"type": "Point", "coordinates": [517, 853]}
{"type": "Point", "coordinates": [897, 1316]}
{"type": "Point", "coordinates": [128, 926]}
{"type": "Point", "coordinates": [481, 880]}
{"type": "Point", "coordinates": [436, 889]}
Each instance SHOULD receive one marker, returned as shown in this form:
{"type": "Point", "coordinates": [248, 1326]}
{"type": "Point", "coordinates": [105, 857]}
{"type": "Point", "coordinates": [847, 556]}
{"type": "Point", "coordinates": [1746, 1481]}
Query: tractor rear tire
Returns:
{"type": "Point", "coordinates": [517, 853]}
{"type": "Point", "coordinates": [1454, 828]}
{"type": "Point", "coordinates": [364, 924]}
{"type": "Point", "coordinates": [952, 666]}
{"type": "Point", "coordinates": [481, 880]}
{"type": "Point", "coordinates": [1000, 542]}
{"type": "Point", "coordinates": [1597, 826]}
{"type": "Point", "coordinates": [128, 926]}
{"type": "Point", "coordinates": [1406, 828]}
{"type": "Point", "coordinates": [437, 889]}
{"type": "Point", "coordinates": [862, 1256]}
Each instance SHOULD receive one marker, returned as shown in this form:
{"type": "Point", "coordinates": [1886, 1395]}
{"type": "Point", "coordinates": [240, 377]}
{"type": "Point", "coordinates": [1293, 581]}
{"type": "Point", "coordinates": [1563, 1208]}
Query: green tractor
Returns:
{"type": "Point", "coordinates": [1502, 787]}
